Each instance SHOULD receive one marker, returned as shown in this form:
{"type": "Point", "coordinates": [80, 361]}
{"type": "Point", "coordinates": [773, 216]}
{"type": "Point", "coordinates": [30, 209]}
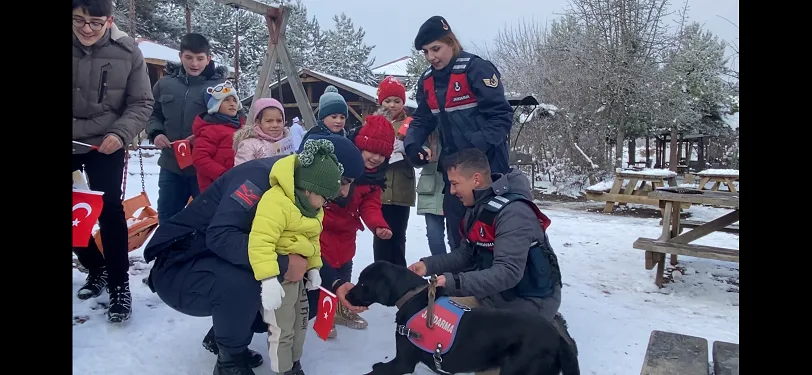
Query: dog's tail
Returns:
{"type": "Point", "coordinates": [568, 354]}
{"type": "Point", "coordinates": [568, 358]}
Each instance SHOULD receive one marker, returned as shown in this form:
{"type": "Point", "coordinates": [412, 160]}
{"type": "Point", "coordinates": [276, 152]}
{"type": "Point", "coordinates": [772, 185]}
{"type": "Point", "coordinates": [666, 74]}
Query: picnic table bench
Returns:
{"type": "Point", "coordinates": [648, 180]}
{"type": "Point", "coordinates": [718, 177]}
{"type": "Point", "coordinates": [673, 241]}
{"type": "Point", "coordinates": [671, 353]}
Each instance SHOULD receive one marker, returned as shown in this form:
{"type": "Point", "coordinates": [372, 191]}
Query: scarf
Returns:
{"type": "Point", "coordinates": [219, 118]}
{"type": "Point", "coordinates": [304, 205]}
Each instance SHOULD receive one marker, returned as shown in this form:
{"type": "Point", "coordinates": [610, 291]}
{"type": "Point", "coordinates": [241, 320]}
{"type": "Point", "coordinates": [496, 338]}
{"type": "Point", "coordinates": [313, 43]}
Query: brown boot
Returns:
{"type": "Point", "coordinates": [349, 319]}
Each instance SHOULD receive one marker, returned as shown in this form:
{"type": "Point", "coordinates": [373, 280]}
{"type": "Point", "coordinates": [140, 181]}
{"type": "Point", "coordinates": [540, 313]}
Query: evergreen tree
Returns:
{"type": "Point", "coordinates": [345, 53]}
{"type": "Point", "coordinates": [415, 67]}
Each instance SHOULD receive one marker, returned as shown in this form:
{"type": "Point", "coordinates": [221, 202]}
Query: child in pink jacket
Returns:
{"type": "Point", "coordinates": [268, 137]}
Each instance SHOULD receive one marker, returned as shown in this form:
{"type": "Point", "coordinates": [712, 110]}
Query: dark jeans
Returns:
{"type": "Point", "coordinates": [344, 272]}
{"type": "Point", "coordinates": [454, 210]}
{"type": "Point", "coordinates": [435, 232]}
{"type": "Point", "coordinates": [104, 173]}
{"type": "Point", "coordinates": [211, 286]}
{"type": "Point", "coordinates": [174, 191]}
{"type": "Point", "coordinates": [393, 250]}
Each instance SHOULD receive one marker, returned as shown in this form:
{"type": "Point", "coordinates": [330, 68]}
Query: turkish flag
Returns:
{"type": "Point", "coordinates": [87, 206]}
{"type": "Point", "coordinates": [183, 152]}
{"type": "Point", "coordinates": [328, 302]}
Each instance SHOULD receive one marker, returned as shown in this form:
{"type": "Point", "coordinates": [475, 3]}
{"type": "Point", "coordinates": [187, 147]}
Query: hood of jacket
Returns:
{"type": "Point", "coordinates": [282, 175]}
{"type": "Point", "coordinates": [212, 71]}
{"type": "Point", "coordinates": [512, 182]}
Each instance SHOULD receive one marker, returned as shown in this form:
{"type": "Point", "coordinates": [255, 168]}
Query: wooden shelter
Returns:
{"type": "Point", "coordinates": [685, 147]}
{"type": "Point", "coordinates": [361, 99]}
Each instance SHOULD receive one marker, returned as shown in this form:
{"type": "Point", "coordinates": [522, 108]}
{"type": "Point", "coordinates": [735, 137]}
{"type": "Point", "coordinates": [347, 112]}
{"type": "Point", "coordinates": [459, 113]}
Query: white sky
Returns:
{"type": "Point", "coordinates": [391, 26]}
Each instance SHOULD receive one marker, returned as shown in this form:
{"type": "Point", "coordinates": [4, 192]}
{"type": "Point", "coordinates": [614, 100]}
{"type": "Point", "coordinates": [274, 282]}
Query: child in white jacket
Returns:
{"type": "Point", "coordinates": [267, 137]}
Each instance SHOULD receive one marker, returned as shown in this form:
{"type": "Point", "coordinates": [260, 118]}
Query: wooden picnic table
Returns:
{"type": "Point", "coordinates": [627, 181]}
{"type": "Point", "coordinates": [718, 178]}
{"type": "Point", "coordinates": [673, 242]}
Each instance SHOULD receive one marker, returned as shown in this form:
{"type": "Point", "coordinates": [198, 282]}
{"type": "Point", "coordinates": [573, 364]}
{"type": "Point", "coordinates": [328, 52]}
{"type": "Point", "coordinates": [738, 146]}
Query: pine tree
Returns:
{"type": "Point", "coordinates": [415, 67]}
{"type": "Point", "coordinates": [345, 53]}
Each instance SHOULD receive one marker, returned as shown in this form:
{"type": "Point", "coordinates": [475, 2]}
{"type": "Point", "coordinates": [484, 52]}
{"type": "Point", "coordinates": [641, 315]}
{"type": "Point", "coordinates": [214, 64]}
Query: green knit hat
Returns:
{"type": "Point", "coordinates": [317, 169]}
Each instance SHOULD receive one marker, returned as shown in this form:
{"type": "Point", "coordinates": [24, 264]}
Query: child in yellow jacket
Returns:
{"type": "Point", "coordinates": [289, 221]}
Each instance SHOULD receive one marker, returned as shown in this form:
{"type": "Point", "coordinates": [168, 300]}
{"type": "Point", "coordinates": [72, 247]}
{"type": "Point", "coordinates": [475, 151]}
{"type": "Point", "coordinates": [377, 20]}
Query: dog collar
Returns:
{"type": "Point", "coordinates": [409, 295]}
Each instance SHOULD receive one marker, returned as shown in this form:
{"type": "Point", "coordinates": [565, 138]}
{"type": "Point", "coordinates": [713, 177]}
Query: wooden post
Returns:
{"type": "Point", "coordinates": [276, 19]}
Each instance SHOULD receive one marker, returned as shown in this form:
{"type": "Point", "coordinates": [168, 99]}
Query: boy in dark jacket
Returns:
{"type": "Point", "coordinates": [342, 218]}
{"type": "Point", "coordinates": [214, 130]}
{"type": "Point", "coordinates": [178, 101]}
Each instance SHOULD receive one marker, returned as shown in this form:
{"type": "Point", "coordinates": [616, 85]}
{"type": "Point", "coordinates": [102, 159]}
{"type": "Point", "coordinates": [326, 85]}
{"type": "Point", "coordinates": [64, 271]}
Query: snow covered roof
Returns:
{"type": "Point", "coordinates": [397, 68]}
{"type": "Point", "coordinates": [367, 91]}
{"type": "Point", "coordinates": [152, 50]}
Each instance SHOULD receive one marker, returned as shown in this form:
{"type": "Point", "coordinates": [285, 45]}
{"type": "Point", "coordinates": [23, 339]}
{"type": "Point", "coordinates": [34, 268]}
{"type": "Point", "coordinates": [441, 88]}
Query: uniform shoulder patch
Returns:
{"type": "Point", "coordinates": [492, 82]}
{"type": "Point", "coordinates": [247, 195]}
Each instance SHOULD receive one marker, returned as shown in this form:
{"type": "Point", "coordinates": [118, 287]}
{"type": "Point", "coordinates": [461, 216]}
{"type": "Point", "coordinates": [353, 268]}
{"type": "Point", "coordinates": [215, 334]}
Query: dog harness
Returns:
{"type": "Point", "coordinates": [434, 328]}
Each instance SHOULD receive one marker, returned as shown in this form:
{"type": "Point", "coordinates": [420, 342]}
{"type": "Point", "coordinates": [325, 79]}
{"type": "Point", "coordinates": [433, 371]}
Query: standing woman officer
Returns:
{"type": "Point", "coordinates": [461, 94]}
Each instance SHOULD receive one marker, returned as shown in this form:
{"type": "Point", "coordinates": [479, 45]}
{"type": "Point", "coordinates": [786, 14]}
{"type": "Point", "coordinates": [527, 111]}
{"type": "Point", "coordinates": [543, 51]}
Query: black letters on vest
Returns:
{"type": "Point", "coordinates": [541, 272]}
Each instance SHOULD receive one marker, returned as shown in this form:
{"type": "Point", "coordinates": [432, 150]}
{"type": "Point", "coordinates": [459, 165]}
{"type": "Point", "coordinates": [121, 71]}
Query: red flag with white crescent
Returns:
{"type": "Point", "coordinates": [183, 152]}
{"type": "Point", "coordinates": [328, 303]}
{"type": "Point", "coordinates": [87, 206]}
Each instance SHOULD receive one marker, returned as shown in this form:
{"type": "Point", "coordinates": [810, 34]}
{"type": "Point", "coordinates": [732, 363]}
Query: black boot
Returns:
{"type": "Point", "coordinates": [253, 359]}
{"type": "Point", "coordinates": [232, 364]}
{"type": "Point", "coordinates": [297, 369]}
{"type": "Point", "coordinates": [120, 303]}
{"type": "Point", "coordinates": [94, 285]}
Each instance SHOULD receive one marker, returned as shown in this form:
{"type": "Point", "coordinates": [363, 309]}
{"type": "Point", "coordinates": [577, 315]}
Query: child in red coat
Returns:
{"type": "Point", "coordinates": [214, 130]}
{"type": "Point", "coordinates": [342, 217]}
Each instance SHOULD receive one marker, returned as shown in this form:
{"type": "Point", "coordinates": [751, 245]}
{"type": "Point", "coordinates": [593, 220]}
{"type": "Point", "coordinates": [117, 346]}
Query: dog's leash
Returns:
{"type": "Point", "coordinates": [430, 307]}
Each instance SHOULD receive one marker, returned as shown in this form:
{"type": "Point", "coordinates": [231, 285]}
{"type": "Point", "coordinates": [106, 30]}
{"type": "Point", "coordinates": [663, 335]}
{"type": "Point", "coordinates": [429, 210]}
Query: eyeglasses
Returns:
{"type": "Point", "coordinates": [94, 25]}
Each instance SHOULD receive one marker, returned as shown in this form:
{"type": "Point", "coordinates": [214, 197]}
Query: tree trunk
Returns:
{"type": "Point", "coordinates": [132, 19]}
{"type": "Point", "coordinates": [188, 18]}
{"type": "Point", "coordinates": [673, 159]}
{"type": "Point", "coordinates": [648, 153]}
{"type": "Point", "coordinates": [237, 49]}
{"type": "Point", "coordinates": [621, 135]}
{"type": "Point", "coordinates": [632, 151]}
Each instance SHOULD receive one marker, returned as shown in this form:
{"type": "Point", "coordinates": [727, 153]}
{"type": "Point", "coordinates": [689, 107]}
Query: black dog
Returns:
{"type": "Point", "coordinates": [518, 343]}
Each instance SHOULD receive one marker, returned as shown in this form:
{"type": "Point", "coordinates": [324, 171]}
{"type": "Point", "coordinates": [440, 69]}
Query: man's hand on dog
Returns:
{"type": "Point", "coordinates": [341, 293]}
{"type": "Point", "coordinates": [419, 268]}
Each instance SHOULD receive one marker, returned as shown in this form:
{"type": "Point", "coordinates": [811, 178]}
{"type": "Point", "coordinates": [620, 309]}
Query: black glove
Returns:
{"type": "Point", "coordinates": [414, 152]}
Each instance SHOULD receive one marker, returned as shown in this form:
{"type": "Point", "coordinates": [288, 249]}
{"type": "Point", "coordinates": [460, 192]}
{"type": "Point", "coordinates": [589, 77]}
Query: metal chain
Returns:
{"type": "Point", "coordinates": [141, 163]}
{"type": "Point", "coordinates": [124, 180]}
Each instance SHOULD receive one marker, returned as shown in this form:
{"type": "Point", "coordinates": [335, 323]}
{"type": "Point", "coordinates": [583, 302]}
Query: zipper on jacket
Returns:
{"type": "Point", "coordinates": [102, 83]}
{"type": "Point", "coordinates": [183, 110]}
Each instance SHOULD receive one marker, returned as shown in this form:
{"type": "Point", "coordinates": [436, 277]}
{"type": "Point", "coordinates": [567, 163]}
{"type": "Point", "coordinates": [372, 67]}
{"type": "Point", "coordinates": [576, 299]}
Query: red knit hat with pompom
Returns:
{"type": "Point", "coordinates": [376, 135]}
{"type": "Point", "coordinates": [390, 86]}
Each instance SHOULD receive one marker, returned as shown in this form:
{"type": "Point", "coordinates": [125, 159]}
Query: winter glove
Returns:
{"type": "Point", "coordinates": [272, 294]}
{"type": "Point", "coordinates": [313, 279]}
{"type": "Point", "coordinates": [414, 153]}
{"type": "Point", "coordinates": [399, 147]}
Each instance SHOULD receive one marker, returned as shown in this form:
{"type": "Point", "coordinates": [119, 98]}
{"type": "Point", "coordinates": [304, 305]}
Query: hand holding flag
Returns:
{"type": "Point", "coordinates": [87, 206]}
{"type": "Point", "coordinates": [183, 152]}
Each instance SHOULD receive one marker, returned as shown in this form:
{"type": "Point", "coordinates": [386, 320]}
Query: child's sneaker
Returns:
{"type": "Point", "coordinates": [297, 369]}
{"type": "Point", "coordinates": [94, 285]}
{"type": "Point", "coordinates": [349, 319]}
{"type": "Point", "coordinates": [120, 303]}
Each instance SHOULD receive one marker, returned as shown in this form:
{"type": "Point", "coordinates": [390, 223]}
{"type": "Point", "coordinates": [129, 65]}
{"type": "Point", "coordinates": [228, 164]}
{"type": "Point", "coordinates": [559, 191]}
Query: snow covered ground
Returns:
{"type": "Point", "coordinates": [609, 300]}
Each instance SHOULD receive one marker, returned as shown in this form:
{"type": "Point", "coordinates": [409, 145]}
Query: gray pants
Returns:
{"type": "Point", "coordinates": [287, 327]}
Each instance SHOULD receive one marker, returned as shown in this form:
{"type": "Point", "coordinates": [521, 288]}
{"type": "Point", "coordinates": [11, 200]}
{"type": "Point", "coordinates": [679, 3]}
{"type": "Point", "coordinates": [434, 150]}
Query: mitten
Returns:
{"type": "Point", "coordinates": [313, 279]}
{"type": "Point", "coordinates": [399, 147]}
{"type": "Point", "coordinates": [272, 294]}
